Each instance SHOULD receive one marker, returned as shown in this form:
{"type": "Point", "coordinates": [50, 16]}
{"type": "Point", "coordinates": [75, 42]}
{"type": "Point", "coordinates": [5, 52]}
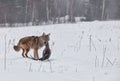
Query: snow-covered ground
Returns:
{"type": "Point", "coordinates": [85, 51]}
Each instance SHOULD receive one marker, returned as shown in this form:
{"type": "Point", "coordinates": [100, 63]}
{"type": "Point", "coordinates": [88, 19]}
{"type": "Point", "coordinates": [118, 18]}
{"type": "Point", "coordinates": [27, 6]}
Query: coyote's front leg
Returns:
{"type": "Point", "coordinates": [36, 57]}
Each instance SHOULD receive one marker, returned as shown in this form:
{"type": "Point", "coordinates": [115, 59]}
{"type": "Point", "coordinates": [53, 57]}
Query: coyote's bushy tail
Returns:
{"type": "Point", "coordinates": [16, 48]}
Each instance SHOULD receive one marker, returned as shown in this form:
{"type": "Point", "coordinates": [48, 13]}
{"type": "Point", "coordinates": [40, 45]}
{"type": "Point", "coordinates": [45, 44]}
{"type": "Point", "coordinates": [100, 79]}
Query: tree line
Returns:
{"type": "Point", "coordinates": [36, 12]}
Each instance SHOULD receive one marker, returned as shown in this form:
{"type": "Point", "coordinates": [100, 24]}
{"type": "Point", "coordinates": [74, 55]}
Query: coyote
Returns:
{"type": "Point", "coordinates": [32, 42]}
{"type": "Point", "coordinates": [46, 52]}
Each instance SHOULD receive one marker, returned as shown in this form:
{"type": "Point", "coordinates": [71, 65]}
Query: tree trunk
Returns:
{"type": "Point", "coordinates": [47, 11]}
{"type": "Point", "coordinates": [33, 13]}
{"type": "Point", "coordinates": [103, 10]}
{"type": "Point", "coordinates": [26, 11]}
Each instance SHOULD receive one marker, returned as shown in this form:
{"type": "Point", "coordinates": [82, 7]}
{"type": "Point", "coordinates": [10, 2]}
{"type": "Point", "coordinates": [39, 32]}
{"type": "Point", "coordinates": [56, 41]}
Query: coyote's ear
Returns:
{"type": "Point", "coordinates": [48, 34]}
{"type": "Point", "coordinates": [43, 34]}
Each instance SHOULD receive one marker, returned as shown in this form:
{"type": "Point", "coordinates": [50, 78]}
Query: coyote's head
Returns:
{"type": "Point", "coordinates": [45, 38]}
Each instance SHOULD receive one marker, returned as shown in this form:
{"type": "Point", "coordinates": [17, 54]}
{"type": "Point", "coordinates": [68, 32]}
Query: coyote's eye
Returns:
{"type": "Point", "coordinates": [45, 42]}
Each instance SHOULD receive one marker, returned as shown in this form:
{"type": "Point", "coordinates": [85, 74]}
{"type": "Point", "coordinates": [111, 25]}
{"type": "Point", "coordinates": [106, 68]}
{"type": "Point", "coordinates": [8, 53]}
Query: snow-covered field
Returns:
{"type": "Point", "coordinates": [85, 51]}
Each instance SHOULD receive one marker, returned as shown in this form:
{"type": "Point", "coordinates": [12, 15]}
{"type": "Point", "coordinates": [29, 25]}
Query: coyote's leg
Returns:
{"type": "Point", "coordinates": [26, 54]}
{"type": "Point", "coordinates": [36, 54]}
{"type": "Point", "coordinates": [23, 52]}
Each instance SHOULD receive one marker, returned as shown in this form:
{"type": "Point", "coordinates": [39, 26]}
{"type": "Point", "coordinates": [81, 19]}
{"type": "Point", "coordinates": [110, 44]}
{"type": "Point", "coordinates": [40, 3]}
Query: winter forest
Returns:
{"type": "Point", "coordinates": [37, 12]}
{"type": "Point", "coordinates": [59, 40]}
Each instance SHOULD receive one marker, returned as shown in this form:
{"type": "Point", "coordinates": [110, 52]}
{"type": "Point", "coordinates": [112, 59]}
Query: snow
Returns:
{"type": "Point", "coordinates": [84, 51]}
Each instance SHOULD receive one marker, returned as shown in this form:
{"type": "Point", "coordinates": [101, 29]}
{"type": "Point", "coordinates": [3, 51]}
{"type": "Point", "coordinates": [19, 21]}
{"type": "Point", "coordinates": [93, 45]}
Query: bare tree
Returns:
{"type": "Point", "coordinates": [103, 10]}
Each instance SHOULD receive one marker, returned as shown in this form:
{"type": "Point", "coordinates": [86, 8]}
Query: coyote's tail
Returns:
{"type": "Point", "coordinates": [16, 48]}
